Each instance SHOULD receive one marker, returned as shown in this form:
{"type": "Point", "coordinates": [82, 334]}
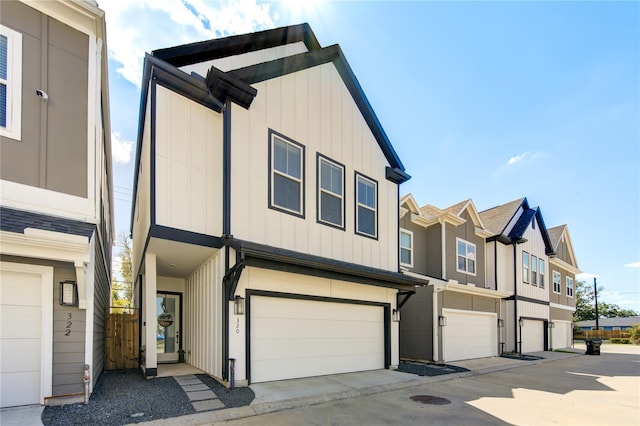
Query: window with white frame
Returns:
{"type": "Point", "coordinates": [569, 287]}
{"type": "Point", "coordinates": [541, 273]}
{"type": "Point", "coordinates": [556, 282]}
{"type": "Point", "coordinates": [286, 175]}
{"type": "Point", "coordinates": [330, 192]}
{"type": "Point", "coordinates": [534, 270]}
{"type": "Point", "coordinates": [525, 267]}
{"type": "Point", "coordinates": [466, 254]}
{"type": "Point", "coordinates": [406, 248]}
{"type": "Point", "coordinates": [10, 83]}
{"type": "Point", "coordinates": [366, 206]}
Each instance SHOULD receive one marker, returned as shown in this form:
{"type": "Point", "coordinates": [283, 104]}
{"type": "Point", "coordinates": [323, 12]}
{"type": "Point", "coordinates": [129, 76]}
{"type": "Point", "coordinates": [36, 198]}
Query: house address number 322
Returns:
{"type": "Point", "coordinates": [69, 324]}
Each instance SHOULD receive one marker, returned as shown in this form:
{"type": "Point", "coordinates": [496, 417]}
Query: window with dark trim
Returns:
{"type": "Point", "coordinates": [366, 206]}
{"type": "Point", "coordinates": [525, 267]}
{"type": "Point", "coordinates": [330, 192]}
{"type": "Point", "coordinates": [286, 174]}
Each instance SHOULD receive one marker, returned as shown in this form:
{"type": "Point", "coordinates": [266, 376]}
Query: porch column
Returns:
{"type": "Point", "coordinates": [150, 320]}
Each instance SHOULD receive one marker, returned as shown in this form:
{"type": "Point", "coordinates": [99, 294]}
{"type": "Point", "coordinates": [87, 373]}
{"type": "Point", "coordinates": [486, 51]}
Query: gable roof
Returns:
{"type": "Point", "coordinates": [317, 55]}
{"type": "Point", "coordinates": [411, 204]}
{"type": "Point", "coordinates": [555, 235]}
{"type": "Point", "coordinates": [497, 218]}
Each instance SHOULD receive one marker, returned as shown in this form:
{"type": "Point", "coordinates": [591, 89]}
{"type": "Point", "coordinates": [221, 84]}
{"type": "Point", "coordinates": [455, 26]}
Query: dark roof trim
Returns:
{"type": "Point", "coordinates": [256, 254]}
{"type": "Point", "coordinates": [235, 45]}
{"type": "Point", "coordinates": [290, 64]}
{"type": "Point", "coordinates": [182, 236]}
{"type": "Point", "coordinates": [396, 175]}
{"type": "Point", "coordinates": [14, 220]}
{"type": "Point", "coordinates": [224, 87]}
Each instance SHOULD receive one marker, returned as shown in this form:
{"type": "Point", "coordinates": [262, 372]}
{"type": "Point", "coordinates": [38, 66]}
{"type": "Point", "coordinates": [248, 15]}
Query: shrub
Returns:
{"type": "Point", "coordinates": [620, 340]}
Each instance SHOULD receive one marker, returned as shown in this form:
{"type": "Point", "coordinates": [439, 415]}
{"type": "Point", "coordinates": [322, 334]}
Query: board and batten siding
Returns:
{"type": "Point", "coordinates": [188, 164]}
{"type": "Point", "coordinates": [535, 247]}
{"type": "Point", "coordinates": [142, 213]}
{"type": "Point", "coordinates": [202, 316]}
{"type": "Point", "coordinates": [533, 310]}
{"type": "Point", "coordinates": [504, 271]}
{"type": "Point", "coordinates": [314, 108]}
{"type": "Point", "coordinates": [247, 59]}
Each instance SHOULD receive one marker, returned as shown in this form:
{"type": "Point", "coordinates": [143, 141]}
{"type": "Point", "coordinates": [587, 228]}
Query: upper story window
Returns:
{"type": "Point", "coordinates": [406, 248]}
{"type": "Point", "coordinates": [556, 282]}
{"type": "Point", "coordinates": [569, 287]}
{"type": "Point", "coordinates": [286, 175]}
{"type": "Point", "coordinates": [330, 192]}
{"type": "Point", "coordinates": [525, 267]}
{"type": "Point", "coordinates": [541, 273]}
{"type": "Point", "coordinates": [534, 270]}
{"type": "Point", "coordinates": [10, 83]}
{"type": "Point", "coordinates": [366, 206]}
{"type": "Point", "coordinates": [466, 257]}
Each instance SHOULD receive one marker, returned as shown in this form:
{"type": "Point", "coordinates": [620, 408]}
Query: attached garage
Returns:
{"type": "Point", "coordinates": [296, 336]}
{"type": "Point", "coordinates": [26, 321]}
{"type": "Point", "coordinates": [561, 335]}
{"type": "Point", "coordinates": [533, 335]}
{"type": "Point", "coordinates": [469, 334]}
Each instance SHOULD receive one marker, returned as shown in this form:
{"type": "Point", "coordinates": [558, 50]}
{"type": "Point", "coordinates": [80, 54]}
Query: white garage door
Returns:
{"type": "Point", "coordinates": [532, 336]}
{"type": "Point", "coordinates": [561, 335]}
{"type": "Point", "coordinates": [293, 338]}
{"type": "Point", "coordinates": [22, 322]}
{"type": "Point", "coordinates": [469, 335]}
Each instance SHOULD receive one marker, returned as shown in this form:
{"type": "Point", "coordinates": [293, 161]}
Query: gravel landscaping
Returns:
{"type": "Point", "coordinates": [426, 369]}
{"type": "Point", "coordinates": [125, 396]}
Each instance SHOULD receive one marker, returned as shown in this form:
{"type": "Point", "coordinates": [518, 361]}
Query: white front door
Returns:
{"type": "Point", "coordinates": [168, 330]}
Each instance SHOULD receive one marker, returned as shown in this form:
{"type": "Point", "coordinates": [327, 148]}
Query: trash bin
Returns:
{"type": "Point", "coordinates": [593, 346]}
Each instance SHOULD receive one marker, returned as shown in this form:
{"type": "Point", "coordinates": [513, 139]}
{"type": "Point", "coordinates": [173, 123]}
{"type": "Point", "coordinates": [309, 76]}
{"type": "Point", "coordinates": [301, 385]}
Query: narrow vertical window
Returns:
{"type": "Point", "coordinates": [466, 257]}
{"type": "Point", "coordinates": [556, 282]}
{"type": "Point", "coordinates": [569, 287]}
{"type": "Point", "coordinates": [286, 175]}
{"type": "Point", "coordinates": [366, 206]}
{"type": "Point", "coordinates": [534, 270]}
{"type": "Point", "coordinates": [525, 267]}
{"type": "Point", "coordinates": [541, 274]}
{"type": "Point", "coordinates": [406, 248]}
{"type": "Point", "coordinates": [10, 83]}
{"type": "Point", "coordinates": [330, 192]}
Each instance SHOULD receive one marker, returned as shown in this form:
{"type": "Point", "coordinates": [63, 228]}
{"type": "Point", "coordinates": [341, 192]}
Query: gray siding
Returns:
{"type": "Point", "coordinates": [101, 301]}
{"type": "Point", "coordinates": [467, 302]}
{"type": "Point", "coordinates": [466, 231]}
{"type": "Point", "coordinates": [561, 298]}
{"type": "Point", "coordinates": [560, 314]}
{"type": "Point", "coordinates": [426, 248]}
{"type": "Point", "coordinates": [562, 252]}
{"type": "Point", "coordinates": [416, 326]}
{"type": "Point", "coordinates": [53, 146]}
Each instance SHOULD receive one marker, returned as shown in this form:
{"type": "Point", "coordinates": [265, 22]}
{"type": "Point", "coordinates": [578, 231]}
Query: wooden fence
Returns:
{"type": "Point", "coordinates": [121, 339]}
{"type": "Point", "coordinates": [601, 334]}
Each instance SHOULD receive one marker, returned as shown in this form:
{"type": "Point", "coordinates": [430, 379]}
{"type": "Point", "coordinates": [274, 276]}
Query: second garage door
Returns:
{"type": "Point", "coordinates": [293, 338]}
{"type": "Point", "coordinates": [532, 336]}
{"type": "Point", "coordinates": [561, 335]}
{"type": "Point", "coordinates": [469, 334]}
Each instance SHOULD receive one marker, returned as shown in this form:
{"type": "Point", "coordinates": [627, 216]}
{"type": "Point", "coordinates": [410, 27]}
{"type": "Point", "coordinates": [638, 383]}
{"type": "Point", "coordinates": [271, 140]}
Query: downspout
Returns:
{"type": "Point", "coordinates": [226, 231]}
{"type": "Point", "coordinates": [435, 327]}
{"type": "Point", "coordinates": [515, 298]}
{"type": "Point", "coordinates": [443, 243]}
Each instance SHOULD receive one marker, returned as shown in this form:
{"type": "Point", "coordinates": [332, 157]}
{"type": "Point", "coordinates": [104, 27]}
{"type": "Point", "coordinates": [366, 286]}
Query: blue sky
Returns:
{"type": "Point", "coordinates": [485, 100]}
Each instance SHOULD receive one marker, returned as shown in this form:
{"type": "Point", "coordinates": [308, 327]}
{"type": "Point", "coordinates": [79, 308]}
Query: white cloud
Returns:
{"type": "Point", "coordinates": [136, 27]}
{"type": "Point", "coordinates": [586, 276]}
{"type": "Point", "coordinates": [120, 149]}
{"type": "Point", "coordinates": [632, 265]}
{"type": "Point", "coordinates": [517, 158]}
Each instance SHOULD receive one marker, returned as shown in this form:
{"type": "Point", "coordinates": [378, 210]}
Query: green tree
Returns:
{"type": "Point", "coordinates": [585, 305]}
{"type": "Point", "coordinates": [122, 280]}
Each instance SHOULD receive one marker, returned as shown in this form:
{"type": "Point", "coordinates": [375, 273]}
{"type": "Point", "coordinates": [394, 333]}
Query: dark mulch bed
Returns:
{"type": "Point", "coordinates": [426, 369]}
{"type": "Point", "coordinates": [521, 357]}
{"type": "Point", "coordinates": [125, 396]}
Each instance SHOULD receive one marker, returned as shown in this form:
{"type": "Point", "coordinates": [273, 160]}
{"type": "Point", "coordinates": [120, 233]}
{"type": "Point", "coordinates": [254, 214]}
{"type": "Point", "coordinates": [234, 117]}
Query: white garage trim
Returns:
{"type": "Point", "coordinates": [469, 334]}
{"type": "Point", "coordinates": [46, 341]}
{"type": "Point", "coordinates": [322, 325]}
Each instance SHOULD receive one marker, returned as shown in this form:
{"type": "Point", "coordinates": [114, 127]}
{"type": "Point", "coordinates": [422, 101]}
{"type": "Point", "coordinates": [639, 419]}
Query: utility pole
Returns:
{"type": "Point", "coordinates": [595, 295]}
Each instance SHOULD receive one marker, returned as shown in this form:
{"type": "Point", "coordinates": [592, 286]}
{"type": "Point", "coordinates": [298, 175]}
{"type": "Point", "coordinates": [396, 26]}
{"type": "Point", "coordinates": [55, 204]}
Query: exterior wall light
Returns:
{"type": "Point", "coordinates": [395, 315]}
{"type": "Point", "coordinates": [552, 324]}
{"type": "Point", "coordinates": [68, 293]}
{"type": "Point", "coordinates": [442, 321]}
{"type": "Point", "coordinates": [500, 322]}
{"type": "Point", "coordinates": [238, 305]}
{"type": "Point", "coordinates": [521, 322]}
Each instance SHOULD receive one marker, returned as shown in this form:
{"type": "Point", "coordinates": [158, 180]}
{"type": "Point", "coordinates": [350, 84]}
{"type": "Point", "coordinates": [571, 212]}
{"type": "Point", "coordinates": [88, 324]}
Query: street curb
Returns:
{"type": "Point", "coordinates": [213, 417]}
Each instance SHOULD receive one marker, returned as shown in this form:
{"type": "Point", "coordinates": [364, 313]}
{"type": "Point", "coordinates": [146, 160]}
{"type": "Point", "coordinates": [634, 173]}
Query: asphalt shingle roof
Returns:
{"type": "Point", "coordinates": [13, 220]}
{"type": "Point", "coordinates": [496, 219]}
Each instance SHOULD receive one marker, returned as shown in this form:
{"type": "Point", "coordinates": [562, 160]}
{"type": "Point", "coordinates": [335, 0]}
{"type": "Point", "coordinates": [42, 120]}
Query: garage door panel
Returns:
{"type": "Point", "coordinates": [21, 321]}
{"type": "Point", "coordinates": [561, 335]}
{"type": "Point", "coordinates": [21, 289]}
{"type": "Point", "coordinates": [532, 336]}
{"type": "Point", "coordinates": [469, 335]}
{"type": "Point", "coordinates": [319, 338]}
{"type": "Point", "coordinates": [19, 355]}
{"type": "Point", "coordinates": [21, 388]}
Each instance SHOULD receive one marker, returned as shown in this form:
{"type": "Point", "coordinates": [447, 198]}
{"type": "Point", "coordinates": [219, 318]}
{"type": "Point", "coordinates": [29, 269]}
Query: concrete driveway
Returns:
{"type": "Point", "coordinates": [578, 390]}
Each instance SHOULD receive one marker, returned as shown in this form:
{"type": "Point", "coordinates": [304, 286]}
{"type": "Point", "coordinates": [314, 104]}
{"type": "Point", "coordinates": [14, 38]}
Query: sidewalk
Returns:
{"type": "Point", "coordinates": [288, 394]}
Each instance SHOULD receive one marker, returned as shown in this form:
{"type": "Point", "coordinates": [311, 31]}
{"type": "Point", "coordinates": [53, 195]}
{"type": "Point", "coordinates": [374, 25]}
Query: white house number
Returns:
{"type": "Point", "coordinates": [237, 325]}
{"type": "Point", "coordinates": [67, 329]}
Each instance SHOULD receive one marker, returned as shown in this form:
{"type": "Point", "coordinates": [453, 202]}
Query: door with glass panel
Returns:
{"type": "Point", "coordinates": [168, 328]}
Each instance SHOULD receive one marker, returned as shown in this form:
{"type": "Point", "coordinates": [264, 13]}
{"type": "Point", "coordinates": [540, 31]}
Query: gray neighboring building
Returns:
{"type": "Point", "coordinates": [620, 323]}
{"type": "Point", "coordinates": [56, 200]}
